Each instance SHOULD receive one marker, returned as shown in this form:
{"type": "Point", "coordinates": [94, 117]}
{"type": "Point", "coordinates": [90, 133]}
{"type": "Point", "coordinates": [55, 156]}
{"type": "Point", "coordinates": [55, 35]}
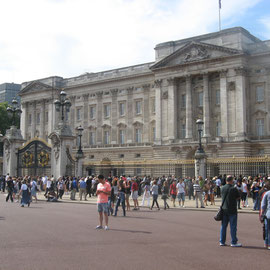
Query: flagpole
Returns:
{"type": "Point", "coordinates": [219, 8]}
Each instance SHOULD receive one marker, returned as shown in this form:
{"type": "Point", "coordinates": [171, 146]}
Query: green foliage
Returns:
{"type": "Point", "coordinates": [6, 120]}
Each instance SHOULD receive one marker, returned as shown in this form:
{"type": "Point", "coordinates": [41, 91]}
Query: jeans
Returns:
{"type": "Point", "coordinates": [120, 199]}
{"type": "Point", "coordinates": [267, 232]}
{"type": "Point", "coordinates": [9, 196]}
{"type": "Point", "coordinates": [233, 226]}
{"type": "Point", "coordinates": [155, 196]}
{"type": "Point", "coordinates": [256, 204]}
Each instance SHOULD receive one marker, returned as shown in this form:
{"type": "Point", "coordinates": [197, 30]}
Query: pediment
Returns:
{"type": "Point", "coordinates": [35, 87]}
{"type": "Point", "coordinates": [195, 52]}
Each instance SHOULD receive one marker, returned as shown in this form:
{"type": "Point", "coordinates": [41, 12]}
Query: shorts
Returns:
{"type": "Point", "coordinates": [173, 196]}
{"type": "Point", "coordinates": [103, 207]}
{"type": "Point", "coordinates": [134, 195]}
{"type": "Point", "coordinates": [243, 196]}
{"type": "Point", "coordinates": [181, 196]}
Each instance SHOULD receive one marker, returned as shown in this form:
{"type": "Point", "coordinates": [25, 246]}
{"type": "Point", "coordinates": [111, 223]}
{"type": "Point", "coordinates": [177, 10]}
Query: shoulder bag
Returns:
{"type": "Point", "coordinates": [219, 215]}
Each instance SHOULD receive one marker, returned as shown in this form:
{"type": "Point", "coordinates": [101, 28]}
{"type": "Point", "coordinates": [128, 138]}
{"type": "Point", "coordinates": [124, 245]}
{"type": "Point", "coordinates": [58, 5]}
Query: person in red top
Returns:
{"type": "Point", "coordinates": [173, 191]}
{"type": "Point", "coordinates": [134, 194]}
{"type": "Point", "coordinates": [103, 192]}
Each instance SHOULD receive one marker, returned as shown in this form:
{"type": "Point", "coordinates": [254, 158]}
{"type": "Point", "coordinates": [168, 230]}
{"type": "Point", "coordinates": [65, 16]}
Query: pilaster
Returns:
{"type": "Point", "coordinates": [158, 110]}
{"type": "Point", "coordinates": [224, 104]}
{"type": "Point", "coordinates": [114, 116]}
{"type": "Point", "coordinates": [206, 105]}
{"type": "Point", "coordinates": [172, 109]}
{"type": "Point", "coordinates": [99, 117]}
{"type": "Point", "coordinates": [130, 112]}
{"type": "Point", "coordinates": [146, 110]}
{"type": "Point", "coordinates": [189, 113]}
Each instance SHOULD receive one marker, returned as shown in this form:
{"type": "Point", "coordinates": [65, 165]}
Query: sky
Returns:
{"type": "Point", "coordinates": [67, 38]}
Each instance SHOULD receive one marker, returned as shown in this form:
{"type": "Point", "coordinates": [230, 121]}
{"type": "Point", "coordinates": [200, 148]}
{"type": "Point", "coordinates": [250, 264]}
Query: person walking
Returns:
{"type": "Point", "coordinates": [229, 195]}
{"type": "Point", "coordinates": [82, 189]}
{"type": "Point", "coordinates": [265, 214]}
{"type": "Point", "coordinates": [154, 190]}
{"type": "Point", "coordinates": [198, 193]}
{"type": "Point", "coordinates": [73, 188]}
{"type": "Point", "coordinates": [103, 192]}
{"type": "Point", "coordinates": [33, 185]}
{"type": "Point", "coordinates": [146, 194]}
{"type": "Point", "coordinates": [173, 191]}
{"type": "Point", "coordinates": [10, 187]}
{"type": "Point", "coordinates": [121, 197]}
{"type": "Point", "coordinates": [134, 193]}
{"type": "Point", "coordinates": [24, 191]}
{"type": "Point", "coordinates": [181, 192]}
{"type": "Point", "coordinates": [60, 187]}
{"type": "Point", "coordinates": [165, 194]}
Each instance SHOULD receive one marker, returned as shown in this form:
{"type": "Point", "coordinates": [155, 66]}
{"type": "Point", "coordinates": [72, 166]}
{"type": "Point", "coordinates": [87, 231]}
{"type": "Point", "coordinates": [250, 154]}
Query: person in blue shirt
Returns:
{"type": "Point", "coordinates": [74, 187]}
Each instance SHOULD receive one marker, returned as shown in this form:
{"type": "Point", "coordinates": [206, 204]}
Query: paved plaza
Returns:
{"type": "Point", "coordinates": [62, 236]}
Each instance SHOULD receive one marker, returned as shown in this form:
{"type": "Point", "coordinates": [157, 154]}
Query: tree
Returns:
{"type": "Point", "coordinates": [6, 120]}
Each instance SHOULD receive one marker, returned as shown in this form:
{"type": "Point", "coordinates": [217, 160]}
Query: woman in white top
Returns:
{"type": "Point", "coordinates": [34, 189]}
{"type": "Point", "coordinates": [25, 194]}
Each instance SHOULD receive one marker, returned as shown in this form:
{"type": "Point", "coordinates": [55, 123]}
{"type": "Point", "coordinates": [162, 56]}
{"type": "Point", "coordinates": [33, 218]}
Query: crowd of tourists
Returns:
{"type": "Point", "coordinates": [115, 191]}
{"type": "Point", "coordinates": [203, 191]}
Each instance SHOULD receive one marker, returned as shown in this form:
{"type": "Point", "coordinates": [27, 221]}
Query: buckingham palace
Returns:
{"type": "Point", "coordinates": [141, 119]}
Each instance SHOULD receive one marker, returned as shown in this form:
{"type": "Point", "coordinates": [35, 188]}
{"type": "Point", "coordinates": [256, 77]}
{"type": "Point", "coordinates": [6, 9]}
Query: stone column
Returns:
{"type": "Point", "coordinates": [12, 141]}
{"type": "Point", "coordinates": [34, 121]}
{"type": "Point", "coordinates": [241, 110]}
{"type": "Point", "coordinates": [72, 111]}
{"type": "Point", "coordinates": [130, 113]}
{"type": "Point", "coordinates": [158, 109]}
{"type": "Point", "coordinates": [114, 116]}
{"type": "Point", "coordinates": [99, 118]}
{"type": "Point", "coordinates": [224, 104]}
{"type": "Point", "coordinates": [85, 119]}
{"type": "Point", "coordinates": [146, 111]}
{"type": "Point", "coordinates": [51, 116]}
{"type": "Point", "coordinates": [189, 120]}
{"type": "Point", "coordinates": [42, 120]}
{"type": "Point", "coordinates": [23, 122]}
{"type": "Point", "coordinates": [200, 164]}
{"type": "Point", "coordinates": [172, 109]}
{"type": "Point", "coordinates": [206, 105]}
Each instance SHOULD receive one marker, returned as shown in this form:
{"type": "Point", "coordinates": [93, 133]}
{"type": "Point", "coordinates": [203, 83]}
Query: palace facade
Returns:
{"type": "Point", "coordinates": [142, 119]}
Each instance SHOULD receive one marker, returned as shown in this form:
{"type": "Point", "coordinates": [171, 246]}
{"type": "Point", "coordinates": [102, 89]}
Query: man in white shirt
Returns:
{"type": "Point", "coordinates": [218, 184]}
{"type": "Point", "coordinates": [181, 192]}
{"type": "Point", "coordinates": [48, 184]}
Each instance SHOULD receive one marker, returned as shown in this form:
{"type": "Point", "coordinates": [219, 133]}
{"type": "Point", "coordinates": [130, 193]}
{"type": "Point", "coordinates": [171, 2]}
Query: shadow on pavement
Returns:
{"type": "Point", "coordinates": [131, 231]}
{"type": "Point", "coordinates": [252, 247]}
{"type": "Point", "coordinates": [2, 218]}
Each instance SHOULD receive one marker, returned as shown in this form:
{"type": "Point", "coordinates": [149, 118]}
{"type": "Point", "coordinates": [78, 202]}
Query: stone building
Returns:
{"type": "Point", "coordinates": [142, 119]}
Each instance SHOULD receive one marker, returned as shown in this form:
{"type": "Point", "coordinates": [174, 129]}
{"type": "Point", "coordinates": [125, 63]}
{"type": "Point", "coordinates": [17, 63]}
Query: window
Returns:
{"type": "Point", "coordinates": [78, 114]}
{"type": "Point", "coordinates": [92, 138]}
{"type": "Point", "coordinates": [121, 136]}
{"type": "Point", "coordinates": [106, 137]}
{"type": "Point", "coordinates": [183, 101]}
{"type": "Point", "coordinates": [92, 112]}
{"type": "Point", "coordinates": [107, 110]}
{"type": "Point", "coordinates": [183, 131]}
{"type": "Point", "coordinates": [30, 119]}
{"type": "Point", "coordinates": [138, 107]}
{"type": "Point", "coordinates": [121, 156]}
{"type": "Point", "coordinates": [138, 135]}
{"type": "Point", "coordinates": [218, 128]}
{"type": "Point", "coordinates": [38, 118]}
{"type": "Point", "coordinates": [153, 106]}
{"type": "Point", "coordinates": [121, 109]}
{"type": "Point", "coordinates": [200, 101]}
{"type": "Point", "coordinates": [46, 117]}
{"type": "Point", "coordinates": [138, 171]}
{"type": "Point", "coordinates": [91, 156]}
{"type": "Point", "coordinates": [154, 133]}
{"type": "Point", "coordinates": [260, 127]}
{"type": "Point", "coordinates": [137, 155]}
{"type": "Point", "coordinates": [218, 97]}
{"type": "Point", "coordinates": [261, 152]}
{"type": "Point", "coordinates": [259, 93]}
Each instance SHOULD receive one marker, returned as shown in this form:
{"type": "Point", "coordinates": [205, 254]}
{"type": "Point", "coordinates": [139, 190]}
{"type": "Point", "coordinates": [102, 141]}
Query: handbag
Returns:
{"type": "Point", "coordinates": [219, 215]}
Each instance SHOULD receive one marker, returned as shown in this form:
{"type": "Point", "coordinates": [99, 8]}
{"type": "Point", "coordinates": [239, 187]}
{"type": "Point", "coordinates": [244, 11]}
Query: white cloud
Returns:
{"type": "Point", "coordinates": [42, 38]}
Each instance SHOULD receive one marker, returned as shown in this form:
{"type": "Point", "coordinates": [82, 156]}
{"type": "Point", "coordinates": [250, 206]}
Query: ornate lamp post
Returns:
{"type": "Point", "coordinates": [79, 155]}
{"type": "Point", "coordinates": [13, 110]}
{"type": "Point", "coordinates": [200, 157]}
{"type": "Point", "coordinates": [61, 104]}
{"type": "Point", "coordinates": [79, 133]}
{"type": "Point", "coordinates": [199, 124]}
